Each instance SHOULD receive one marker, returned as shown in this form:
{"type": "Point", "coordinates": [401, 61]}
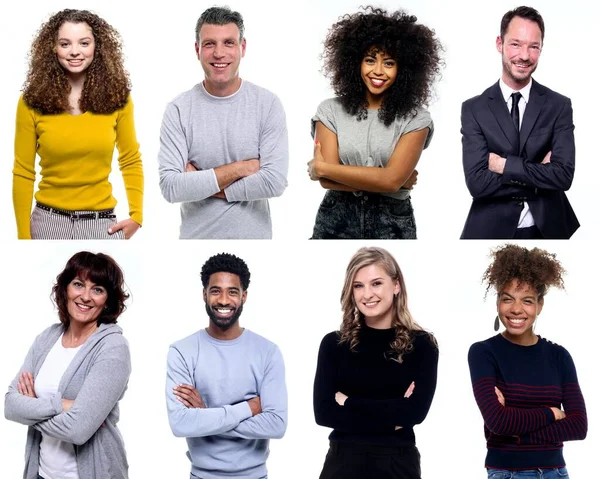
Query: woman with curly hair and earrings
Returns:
{"type": "Point", "coordinates": [369, 138]}
{"type": "Point", "coordinates": [521, 380]}
{"type": "Point", "coordinates": [375, 377]}
{"type": "Point", "coordinates": [75, 373]}
{"type": "Point", "coordinates": [74, 109]}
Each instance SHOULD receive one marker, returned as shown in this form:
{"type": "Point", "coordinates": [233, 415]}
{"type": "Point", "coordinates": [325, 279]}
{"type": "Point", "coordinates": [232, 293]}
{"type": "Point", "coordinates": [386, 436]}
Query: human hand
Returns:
{"type": "Point", "coordinates": [411, 181]}
{"type": "Point", "coordinates": [67, 404]}
{"type": "Point", "coordinates": [128, 226]}
{"type": "Point", "coordinates": [496, 163]}
{"type": "Point", "coordinates": [220, 194]}
{"type": "Point", "coordinates": [313, 164]}
{"type": "Point", "coordinates": [255, 405]}
{"type": "Point", "coordinates": [547, 158]}
{"type": "Point", "coordinates": [340, 398]}
{"type": "Point", "coordinates": [397, 427]}
{"type": "Point", "coordinates": [25, 385]}
{"type": "Point", "coordinates": [410, 390]}
{"type": "Point", "coordinates": [188, 396]}
{"type": "Point", "coordinates": [500, 396]}
{"type": "Point", "coordinates": [190, 167]}
{"type": "Point", "coordinates": [558, 413]}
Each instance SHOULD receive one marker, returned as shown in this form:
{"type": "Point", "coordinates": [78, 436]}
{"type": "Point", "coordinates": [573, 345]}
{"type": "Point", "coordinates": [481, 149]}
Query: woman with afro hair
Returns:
{"type": "Point", "coordinates": [376, 376]}
{"type": "Point", "coordinates": [525, 386]}
{"type": "Point", "coordinates": [75, 108]}
{"type": "Point", "coordinates": [369, 138]}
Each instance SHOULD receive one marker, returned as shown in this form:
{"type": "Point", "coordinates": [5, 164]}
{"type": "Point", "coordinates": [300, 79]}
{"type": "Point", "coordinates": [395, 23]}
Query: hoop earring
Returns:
{"type": "Point", "coordinates": [496, 323]}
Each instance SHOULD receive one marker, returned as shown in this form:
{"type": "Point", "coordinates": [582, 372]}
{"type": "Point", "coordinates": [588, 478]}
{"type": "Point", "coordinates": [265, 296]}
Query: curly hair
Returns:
{"type": "Point", "coordinates": [353, 320]}
{"type": "Point", "coordinates": [414, 47]}
{"type": "Point", "coordinates": [536, 268]}
{"type": "Point", "coordinates": [225, 263]}
{"type": "Point", "coordinates": [100, 269]}
{"type": "Point", "coordinates": [106, 87]}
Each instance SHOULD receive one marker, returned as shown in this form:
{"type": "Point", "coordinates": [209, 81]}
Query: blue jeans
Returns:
{"type": "Point", "coordinates": [555, 473]}
{"type": "Point", "coordinates": [344, 215]}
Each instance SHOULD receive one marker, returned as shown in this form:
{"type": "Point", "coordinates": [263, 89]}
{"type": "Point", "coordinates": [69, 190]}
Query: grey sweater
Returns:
{"type": "Point", "coordinates": [96, 380]}
{"type": "Point", "coordinates": [213, 131]}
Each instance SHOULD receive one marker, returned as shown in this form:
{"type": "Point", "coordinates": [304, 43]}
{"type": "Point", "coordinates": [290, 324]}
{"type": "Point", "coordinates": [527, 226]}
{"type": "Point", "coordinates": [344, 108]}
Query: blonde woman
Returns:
{"type": "Point", "coordinates": [376, 376]}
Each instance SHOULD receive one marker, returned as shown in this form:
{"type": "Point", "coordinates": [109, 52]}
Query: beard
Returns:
{"type": "Point", "coordinates": [521, 79]}
{"type": "Point", "coordinates": [224, 323]}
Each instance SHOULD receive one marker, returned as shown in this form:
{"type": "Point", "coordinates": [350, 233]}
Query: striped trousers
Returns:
{"type": "Point", "coordinates": [51, 225]}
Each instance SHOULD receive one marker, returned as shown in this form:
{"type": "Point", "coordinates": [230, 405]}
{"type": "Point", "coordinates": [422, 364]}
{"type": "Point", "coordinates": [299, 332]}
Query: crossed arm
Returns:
{"type": "Point", "coordinates": [244, 180]}
{"type": "Point", "coordinates": [261, 417]}
{"type": "Point", "coordinates": [73, 420]}
{"type": "Point", "coordinates": [334, 409]}
{"type": "Point", "coordinates": [489, 175]}
{"type": "Point", "coordinates": [399, 171]}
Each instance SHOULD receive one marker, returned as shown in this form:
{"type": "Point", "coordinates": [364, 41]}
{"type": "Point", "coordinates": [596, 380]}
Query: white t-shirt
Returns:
{"type": "Point", "coordinates": [57, 458]}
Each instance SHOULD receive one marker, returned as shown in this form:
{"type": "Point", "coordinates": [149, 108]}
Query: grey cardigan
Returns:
{"type": "Point", "coordinates": [96, 380]}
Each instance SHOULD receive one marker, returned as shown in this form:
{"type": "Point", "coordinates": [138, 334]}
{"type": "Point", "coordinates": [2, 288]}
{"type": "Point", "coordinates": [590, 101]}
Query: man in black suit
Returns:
{"type": "Point", "coordinates": [518, 145]}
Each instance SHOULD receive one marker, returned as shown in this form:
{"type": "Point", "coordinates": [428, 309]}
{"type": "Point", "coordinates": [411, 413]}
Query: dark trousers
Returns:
{"type": "Point", "coordinates": [344, 215]}
{"type": "Point", "coordinates": [371, 461]}
{"type": "Point", "coordinates": [531, 232]}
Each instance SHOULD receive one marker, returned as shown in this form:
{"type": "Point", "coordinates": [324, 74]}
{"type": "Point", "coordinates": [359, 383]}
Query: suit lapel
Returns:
{"type": "Point", "coordinates": [500, 111]}
{"type": "Point", "coordinates": [537, 98]}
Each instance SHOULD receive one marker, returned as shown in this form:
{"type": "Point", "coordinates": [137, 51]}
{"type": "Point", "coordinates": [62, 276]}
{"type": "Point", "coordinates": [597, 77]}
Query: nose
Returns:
{"type": "Point", "coordinates": [378, 68]}
{"type": "Point", "coordinates": [218, 51]}
{"type": "Point", "coordinates": [222, 299]}
{"type": "Point", "coordinates": [524, 52]}
{"type": "Point", "coordinates": [517, 307]}
{"type": "Point", "coordinates": [85, 295]}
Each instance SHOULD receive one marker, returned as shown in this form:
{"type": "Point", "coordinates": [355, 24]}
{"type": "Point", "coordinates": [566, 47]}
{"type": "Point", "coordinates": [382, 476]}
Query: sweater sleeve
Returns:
{"type": "Point", "coordinates": [24, 409]}
{"type": "Point", "coordinates": [271, 179]}
{"type": "Point", "coordinates": [197, 422]}
{"type": "Point", "coordinates": [574, 426]}
{"type": "Point", "coordinates": [501, 420]}
{"type": "Point", "coordinates": [405, 412]}
{"type": "Point", "coordinates": [104, 385]}
{"type": "Point", "coordinates": [327, 411]}
{"type": "Point", "coordinates": [24, 167]}
{"type": "Point", "coordinates": [177, 185]}
{"type": "Point", "coordinates": [130, 161]}
{"type": "Point", "coordinates": [271, 423]}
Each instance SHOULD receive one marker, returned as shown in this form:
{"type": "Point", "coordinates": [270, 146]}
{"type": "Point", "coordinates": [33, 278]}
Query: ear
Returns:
{"type": "Point", "coordinates": [540, 305]}
{"type": "Point", "coordinates": [204, 294]}
{"type": "Point", "coordinates": [499, 44]}
{"type": "Point", "coordinates": [244, 296]}
{"type": "Point", "coordinates": [243, 47]}
{"type": "Point", "coordinates": [197, 48]}
{"type": "Point", "coordinates": [396, 288]}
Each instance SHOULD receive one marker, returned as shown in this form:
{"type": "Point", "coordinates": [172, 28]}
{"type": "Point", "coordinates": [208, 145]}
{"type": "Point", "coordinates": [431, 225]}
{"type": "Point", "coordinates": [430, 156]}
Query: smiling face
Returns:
{"type": "Point", "coordinates": [518, 308]}
{"type": "Point", "coordinates": [85, 301]}
{"type": "Point", "coordinates": [374, 291]}
{"type": "Point", "coordinates": [378, 71]}
{"type": "Point", "coordinates": [520, 49]}
{"type": "Point", "coordinates": [75, 47]}
{"type": "Point", "coordinates": [224, 298]}
{"type": "Point", "coordinates": [220, 51]}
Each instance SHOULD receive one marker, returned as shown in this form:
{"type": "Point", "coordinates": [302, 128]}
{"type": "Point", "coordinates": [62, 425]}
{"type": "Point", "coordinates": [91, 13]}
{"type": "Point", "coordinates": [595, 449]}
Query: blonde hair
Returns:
{"type": "Point", "coordinates": [353, 319]}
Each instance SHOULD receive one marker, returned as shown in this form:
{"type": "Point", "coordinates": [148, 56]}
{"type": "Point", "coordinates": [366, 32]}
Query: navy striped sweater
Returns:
{"type": "Point", "coordinates": [523, 434]}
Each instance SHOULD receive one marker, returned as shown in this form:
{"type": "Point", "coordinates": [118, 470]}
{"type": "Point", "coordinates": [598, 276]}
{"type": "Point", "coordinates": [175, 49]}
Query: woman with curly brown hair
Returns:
{"type": "Point", "coordinates": [376, 377]}
{"type": "Point", "coordinates": [76, 372]}
{"type": "Point", "coordinates": [75, 107]}
{"type": "Point", "coordinates": [521, 380]}
{"type": "Point", "coordinates": [369, 138]}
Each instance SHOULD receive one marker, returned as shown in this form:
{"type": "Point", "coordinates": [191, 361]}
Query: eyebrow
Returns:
{"type": "Point", "coordinates": [503, 293]}
{"type": "Point", "coordinates": [68, 39]}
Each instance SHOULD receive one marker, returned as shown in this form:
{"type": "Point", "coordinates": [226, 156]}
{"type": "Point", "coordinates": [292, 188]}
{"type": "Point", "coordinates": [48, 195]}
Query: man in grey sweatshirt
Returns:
{"type": "Point", "coordinates": [225, 385]}
{"type": "Point", "coordinates": [223, 144]}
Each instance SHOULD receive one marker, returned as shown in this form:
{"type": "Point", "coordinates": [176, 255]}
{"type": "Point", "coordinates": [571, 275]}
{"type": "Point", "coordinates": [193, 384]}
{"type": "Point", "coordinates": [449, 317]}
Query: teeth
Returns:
{"type": "Point", "coordinates": [372, 303]}
{"type": "Point", "coordinates": [84, 306]}
{"type": "Point", "coordinates": [376, 82]}
{"type": "Point", "coordinates": [224, 311]}
{"type": "Point", "coordinates": [220, 65]}
{"type": "Point", "coordinates": [516, 320]}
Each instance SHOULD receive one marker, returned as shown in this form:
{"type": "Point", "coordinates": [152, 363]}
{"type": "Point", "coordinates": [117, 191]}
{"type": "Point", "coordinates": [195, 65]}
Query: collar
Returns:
{"type": "Point", "coordinates": [507, 91]}
{"type": "Point", "coordinates": [222, 97]}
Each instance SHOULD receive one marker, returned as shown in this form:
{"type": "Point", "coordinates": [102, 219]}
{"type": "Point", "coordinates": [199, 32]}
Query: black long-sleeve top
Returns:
{"type": "Point", "coordinates": [523, 434]}
{"type": "Point", "coordinates": [375, 384]}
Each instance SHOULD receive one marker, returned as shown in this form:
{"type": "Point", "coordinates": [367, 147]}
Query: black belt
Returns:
{"type": "Point", "coordinates": [95, 215]}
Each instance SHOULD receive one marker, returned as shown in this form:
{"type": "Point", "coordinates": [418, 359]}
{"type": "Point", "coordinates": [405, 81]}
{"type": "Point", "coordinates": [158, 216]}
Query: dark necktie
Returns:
{"type": "Point", "coordinates": [514, 112]}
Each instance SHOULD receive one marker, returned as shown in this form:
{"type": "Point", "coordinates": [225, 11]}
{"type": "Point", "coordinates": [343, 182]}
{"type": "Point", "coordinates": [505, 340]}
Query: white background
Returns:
{"type": "Point", "coordinates": [294, 296]}
{"type": "Point", "coordinates": [283, 48]}
{"type": "Point", "coordinates": [293, 300]}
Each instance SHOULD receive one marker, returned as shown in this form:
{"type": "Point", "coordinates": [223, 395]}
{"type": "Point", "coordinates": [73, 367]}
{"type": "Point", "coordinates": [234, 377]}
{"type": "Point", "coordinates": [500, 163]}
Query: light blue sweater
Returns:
{"type": "Point", "coordinates": [224, 439]}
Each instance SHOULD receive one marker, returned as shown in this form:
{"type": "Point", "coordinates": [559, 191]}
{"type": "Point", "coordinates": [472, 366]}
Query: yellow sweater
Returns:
{"type": "Point", "coordinates": [76, 153]}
